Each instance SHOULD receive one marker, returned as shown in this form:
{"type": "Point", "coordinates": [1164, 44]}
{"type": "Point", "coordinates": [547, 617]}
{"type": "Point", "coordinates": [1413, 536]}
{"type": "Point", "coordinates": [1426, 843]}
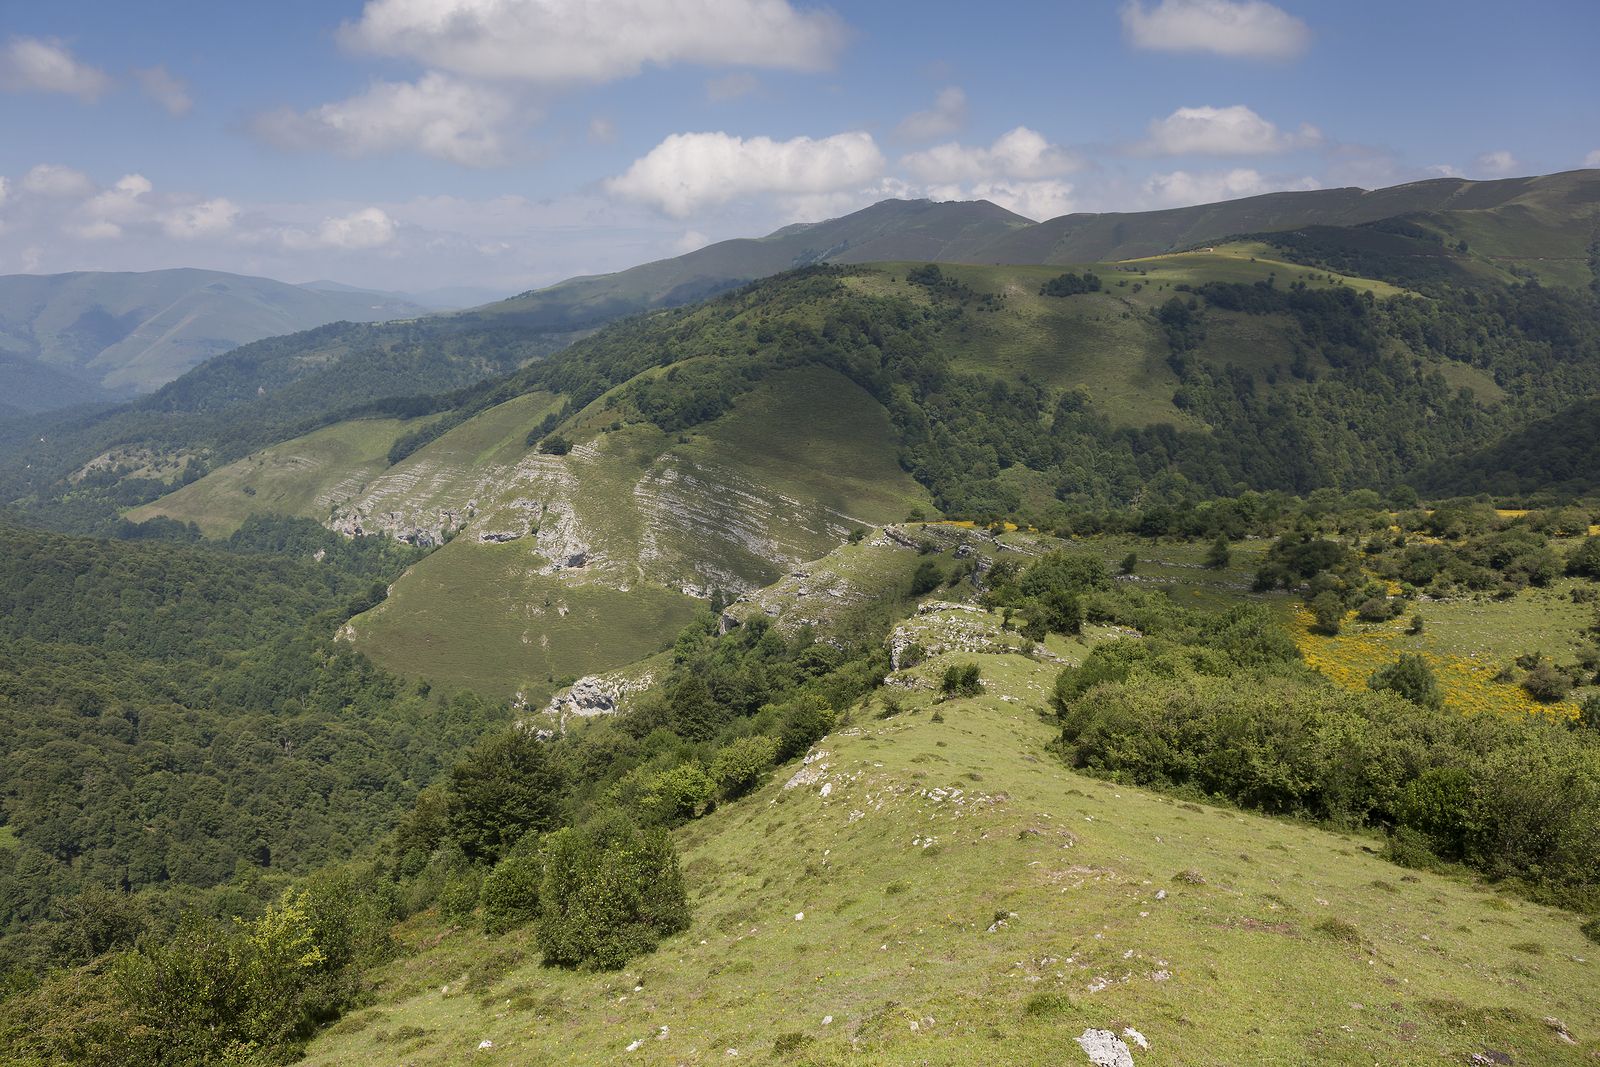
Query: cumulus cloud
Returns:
{"type": "Point", "coordinates": [54, 180]}
{"type": "Point", "coordinates": [1222, 131]}
{"type": "Point", "coordinates": [170, 92]}
{"type": "Point", "coordinates": [368, 228]}
{"type": "Point", "coordinates": [1019, 153]}
{"type": "Point", "coordinates": [731, 86]}
{"type": "Point", "coordinates": [123, 202]}
{"type": "Point", "coordinates": [437, 116]}
{"type": "Point", "coordinates": [948, 114]}
{"type": "Point", "coordinates": [555, 42]}
{"type": "Point", "coordinates": [688, 171]}
{"type": "Point", "coordinates": [1592, 159]}
{"type": "Point", "coordinates": [1038, 200]}
{"type": "Point", "coordinates": [1499, 164]}
{"type": "Point", "coordinates": [46, 66]}
{"type": "Point", "coordinates": [1181, 188]}
{"type": "Point", "coordinates": [1249, 29]}
{"type": "Point", "coordinates": [208, 218]}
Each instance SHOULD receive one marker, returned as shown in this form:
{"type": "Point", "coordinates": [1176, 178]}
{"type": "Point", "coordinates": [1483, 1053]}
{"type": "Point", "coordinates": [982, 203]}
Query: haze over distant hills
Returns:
{"type": "Point", "coordinates": [91, 335]}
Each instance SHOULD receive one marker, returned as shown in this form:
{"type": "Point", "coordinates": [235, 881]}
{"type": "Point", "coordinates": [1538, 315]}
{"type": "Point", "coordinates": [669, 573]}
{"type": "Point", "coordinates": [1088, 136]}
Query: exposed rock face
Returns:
{"type": "Point", "coordinates": [594, 695]}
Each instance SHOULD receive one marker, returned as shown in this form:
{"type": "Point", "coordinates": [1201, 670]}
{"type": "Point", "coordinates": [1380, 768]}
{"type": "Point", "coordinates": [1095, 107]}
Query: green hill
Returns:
{"type": "Point", "coordinates": [942, 891]}
{"type": "Point", "coordinates": [1515, 219]}
{"type": "Point", "coordinates": [714, 449]}
{"type": "Point", "coordinates": [131, 332]}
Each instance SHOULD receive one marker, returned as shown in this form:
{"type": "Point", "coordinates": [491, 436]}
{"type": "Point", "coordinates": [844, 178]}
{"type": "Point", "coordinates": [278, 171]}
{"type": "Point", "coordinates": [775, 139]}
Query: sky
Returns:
{"type": "Point", "coordinates": [507, 144]}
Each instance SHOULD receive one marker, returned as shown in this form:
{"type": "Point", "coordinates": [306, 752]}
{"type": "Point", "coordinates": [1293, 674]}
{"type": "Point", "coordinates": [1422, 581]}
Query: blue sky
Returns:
{"type": "Point", "coordinates": [510, 143]}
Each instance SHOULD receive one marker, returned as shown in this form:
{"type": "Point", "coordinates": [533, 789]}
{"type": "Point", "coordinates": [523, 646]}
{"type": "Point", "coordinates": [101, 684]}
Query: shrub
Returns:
{"type": "Point", "coordinates": [927, 578]}
{"type": "Point", "coordinates": [555, 445]}
{"type": "Point", "coordinates": [610, 892]}
{"type": "Point", "coordinates": [510, 894]}
{"type": "Point", "coordinates": [805, 722]}
{"type": "Point", "coordinates": [1129, 563]}
{"type": "Point", "coordinates": [1585, 559]}
{"type": "Point", "coordinates": [1416, 625]}
{"type": "Point", "coordinates": [1219, 555]}
{"type": "Point", "coordinates": [961, 680]}
{"type": "Point", "coordinates": [1545, 683]}
{"type": "Point", "coordinates": [677, 794]}
{"type": "Point", "coordinates": [1411, 677]}
{"type": "Point", "coordinates": [459, 897]}
{"type": "Point", "coordinates": [1327, 612]}
{"type": "Point", "coordinates": [737, 767]}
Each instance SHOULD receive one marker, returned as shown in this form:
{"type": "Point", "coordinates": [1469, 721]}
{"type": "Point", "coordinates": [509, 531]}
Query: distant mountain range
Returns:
{"type": "Point", "coordinates": [96, 335]}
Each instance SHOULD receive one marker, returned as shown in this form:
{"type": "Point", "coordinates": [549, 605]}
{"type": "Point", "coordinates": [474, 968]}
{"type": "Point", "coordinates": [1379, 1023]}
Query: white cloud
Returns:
{"type": "Point", "coordinates": [1038, 200]}
{"type": "Point", "coordinates": [688, 171]}
{"type": "Point", "coordinates": [208, 218]}
{"type": "Point", "coordinates": [556, 42]}
{"type": "Point", "coordinates": [1181, 188]}
{"type": "Point", "coordinates": [948, 114]}
{"type": "Point", "coordinates": [53, 180]}
{"type": "Point", "coordinates": [731, 86]}
{"type": "Point", "coordinates": [5, 188]}
{"type": "Point", "coordinates": [602, 130]}
{"type": "Point", "coordinates": [1246, 28]}
{"type": "Point", "coordinates": [96, 230]}
{"type": "Point", "coordinates": [166, 90]}
{"type": "Point", "coordinates": [1222, 131]}
{"type": "Point", "coordinates": [33, 64]}
{"type": "Point", "coordinates": [1499, 164]}
{"type": "Point", "coordinates": [1020, 153]}
{"type": "Point", "coordinates": [1592, 159]}
{"type": "Point", "coordinates": [1443, 170]}
{"type": "Point", "coordinates": [123, 202]}
{"type": "Point", "coordinates": [691, 240]}
{"type": "Point", "coordinates": [368, 228]}
{"type": "Point", "coordinates": [437, 116]}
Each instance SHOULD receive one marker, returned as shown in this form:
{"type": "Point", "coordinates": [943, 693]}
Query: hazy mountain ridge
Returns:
{"type": "Point", "coordinates": [126, 332]}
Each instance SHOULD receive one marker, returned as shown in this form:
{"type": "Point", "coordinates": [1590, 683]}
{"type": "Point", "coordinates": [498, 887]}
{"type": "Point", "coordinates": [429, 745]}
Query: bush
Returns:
{"type": "Point", "coordinates": [1585, 559]}
{"type": "Point", "coordinates": [610, 892]}
{"type": "Point", "coordinates": [927, 578]}
{"type": "Point", "coordinates": [961, 680]}
{"type": "Point", "coordinates": [1327, 612]}
{"type": "Point", "coordinates": [805, 722]}
{"type": "Point", "coordinates": [738, 767]}
{"type": "Point", "coordinates": [555, 445]}
{"type": "Point", "coordinates": [510, 894]}
{"type": "Point", "coordinates": [1411, 677]}
{"type": "Point", "coordinates": [1129, 563]}
{"type": "Point", "coordinates": [1546, 684]}
{"type": "Point", "coordinates": [1219, 555]}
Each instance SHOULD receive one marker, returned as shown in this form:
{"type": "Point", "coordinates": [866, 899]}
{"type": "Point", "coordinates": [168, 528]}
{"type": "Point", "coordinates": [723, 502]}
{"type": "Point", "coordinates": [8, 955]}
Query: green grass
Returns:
{"type": "Point", "coordinates": [899, 884]}
{"type": "Point", "coordinates": [308, 476]}
{"type": "Point", "coordinates": [482, 617]}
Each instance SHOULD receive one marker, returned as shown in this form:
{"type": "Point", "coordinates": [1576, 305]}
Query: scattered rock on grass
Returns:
{"type": "Point", "coordinates": [1105, 1049]}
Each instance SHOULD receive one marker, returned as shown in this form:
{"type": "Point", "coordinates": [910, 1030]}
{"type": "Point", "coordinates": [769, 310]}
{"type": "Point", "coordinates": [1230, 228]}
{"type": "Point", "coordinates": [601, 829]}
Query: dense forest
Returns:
{"type": "Point", "coordinates": [177, 717]}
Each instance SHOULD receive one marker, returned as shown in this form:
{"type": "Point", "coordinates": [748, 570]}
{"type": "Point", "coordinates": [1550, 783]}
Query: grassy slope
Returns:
{"type": "Point", "coordinates": [798, 462]}
{"type": "Point", "coordinates": [308, 476]}
{"type": "Point", "coordinates": [481, 616]}
{"type": "Point", "coordinates": [894, 946]}
{"type": "Point", "coordinates": [778, 481]}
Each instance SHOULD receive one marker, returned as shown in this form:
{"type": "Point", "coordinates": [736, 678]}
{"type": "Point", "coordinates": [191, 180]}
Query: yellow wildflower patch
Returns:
{"type": "Point", "coordinates": [1468, 682]}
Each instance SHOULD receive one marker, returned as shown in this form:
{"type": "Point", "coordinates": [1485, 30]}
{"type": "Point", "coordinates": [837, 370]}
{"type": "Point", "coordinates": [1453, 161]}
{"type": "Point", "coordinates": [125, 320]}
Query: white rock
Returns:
{"type": "Point", "coordinates": [1105, 1049]}
{"type": "Point", "coordinates": [485, 1044]}
{"type": "Point", "coordinates": [635, 1046]}
{"type": "Point", "coordinates": [799, 916]}
{"type": "Point", "coordinates": [827, 1020]}
{"type": "Point", "coordinates": [1136, 1037]}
